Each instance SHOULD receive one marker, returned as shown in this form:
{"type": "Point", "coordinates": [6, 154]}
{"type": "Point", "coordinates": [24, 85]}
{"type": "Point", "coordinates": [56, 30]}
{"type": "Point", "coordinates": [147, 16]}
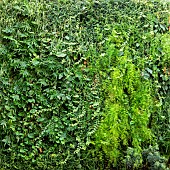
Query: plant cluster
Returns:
{"type": "Point", "coordinates": [84, 84]}
{"type": "Point", "coordinates": [128, 106]}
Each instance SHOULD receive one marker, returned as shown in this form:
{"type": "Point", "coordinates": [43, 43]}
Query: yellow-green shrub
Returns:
{"type": "Point", "coordinates": [127, 110]}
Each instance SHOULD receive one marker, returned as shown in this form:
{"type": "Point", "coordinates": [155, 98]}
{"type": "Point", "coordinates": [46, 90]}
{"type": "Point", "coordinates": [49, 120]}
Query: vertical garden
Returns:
{"type": "Point", "coordinates": [84, 85]}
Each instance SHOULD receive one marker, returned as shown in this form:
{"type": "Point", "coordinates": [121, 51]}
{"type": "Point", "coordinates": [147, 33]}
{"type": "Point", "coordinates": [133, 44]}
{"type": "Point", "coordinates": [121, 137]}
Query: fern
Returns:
{"type": "Point", "coordinates": [127, 110]}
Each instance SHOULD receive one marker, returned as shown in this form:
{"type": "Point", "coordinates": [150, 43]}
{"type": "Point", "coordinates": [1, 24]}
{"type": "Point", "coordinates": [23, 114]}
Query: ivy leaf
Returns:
{"type": "Point", "coordinates": [7, 140]}
{"type": "Point", "coordinates": [60, 54]}
{"type": "Point", "coordinates": [31, 100]}
{"type": "Point", "coordinates": [162, 27]}
{"type": "Point", "coordinates": [41, 119]}
{"type": "Point", "coordinates": [3, 123]}
{"type": "Point", "coordinates": [23, 150]}
{"type": "Point", "coordinates": [31, 135]}
{"type": "Point", "coordinates": [35, 62]}
{"type": "Point", "coordinates": [15, 97]}
{"type": "Point", "coordinates": [149, 70]}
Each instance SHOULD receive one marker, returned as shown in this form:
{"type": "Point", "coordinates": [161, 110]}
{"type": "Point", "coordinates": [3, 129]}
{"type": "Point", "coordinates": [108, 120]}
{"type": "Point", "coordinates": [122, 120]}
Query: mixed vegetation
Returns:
{"type": "Point", "coordinates": [84, 84]}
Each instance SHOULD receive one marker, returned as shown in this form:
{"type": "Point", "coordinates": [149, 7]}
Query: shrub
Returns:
{"type": "Point", "coordinates": [128, 107]}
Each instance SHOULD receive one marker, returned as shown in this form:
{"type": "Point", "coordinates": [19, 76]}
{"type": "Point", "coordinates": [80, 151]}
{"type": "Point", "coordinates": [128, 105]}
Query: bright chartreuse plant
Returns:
{"type": "Point", "coordinates": [128, 106]}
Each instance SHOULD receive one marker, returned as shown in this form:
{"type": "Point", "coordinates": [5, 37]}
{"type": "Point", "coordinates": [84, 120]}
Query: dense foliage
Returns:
{"type": "Point", "coordinates": [84, 84]}
{"type": "Point", "coordinates": [128, 109]}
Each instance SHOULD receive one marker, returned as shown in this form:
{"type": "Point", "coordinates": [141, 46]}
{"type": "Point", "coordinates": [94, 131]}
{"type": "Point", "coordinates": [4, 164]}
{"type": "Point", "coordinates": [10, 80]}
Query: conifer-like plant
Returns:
{"type": "Point", "coordinates": [127, 110]}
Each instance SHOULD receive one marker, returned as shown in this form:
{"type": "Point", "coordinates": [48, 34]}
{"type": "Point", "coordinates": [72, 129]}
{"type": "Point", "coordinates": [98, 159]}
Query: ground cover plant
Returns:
{"type": "Point", "coordinates": [84, 84]}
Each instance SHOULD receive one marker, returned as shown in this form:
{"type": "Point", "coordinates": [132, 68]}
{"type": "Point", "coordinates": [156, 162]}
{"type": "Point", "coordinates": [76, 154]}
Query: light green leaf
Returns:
{"type": "Point", "coordinates": [60, 54]}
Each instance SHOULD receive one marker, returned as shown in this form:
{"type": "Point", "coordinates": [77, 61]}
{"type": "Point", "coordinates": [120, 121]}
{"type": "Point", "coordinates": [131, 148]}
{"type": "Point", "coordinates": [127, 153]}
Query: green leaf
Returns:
{"type": "Point", "coordinates": [3, 123]}
{"type": "Point", "coordinates": [31, 100]}
{"type": "Point", "coordinates": [35, 62]}
{"type": "Point", "coordinates": [22, 150]}
{"type": "Point", "coordinates": [15, 97]}
{"type": "Point", "coordinates": [31, 135]}
{"type": "Point", "coordinates": [149, 70]}
{"type": "Point", "coordinates": [163, 27]}
{"type": "Point", "coordinates": [60, 54]}
{"type": "Point", "coordinates": [41, 119]}
{"type": "Point", "coordinates": [7, 140]}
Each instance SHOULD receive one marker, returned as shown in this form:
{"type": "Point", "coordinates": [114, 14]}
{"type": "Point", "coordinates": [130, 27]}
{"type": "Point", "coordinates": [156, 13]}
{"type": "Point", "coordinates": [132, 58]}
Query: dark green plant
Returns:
{"type": "Point", "coordinates": [153, 160]}
{"type": "Point", "coordinates": [49, 101]}
{"type": "Point", "coordinates": [133, 159]}
{"type": "Point", "coordinates": [51, 76]}
{"type": "Point", "coordinates": [161, 118]}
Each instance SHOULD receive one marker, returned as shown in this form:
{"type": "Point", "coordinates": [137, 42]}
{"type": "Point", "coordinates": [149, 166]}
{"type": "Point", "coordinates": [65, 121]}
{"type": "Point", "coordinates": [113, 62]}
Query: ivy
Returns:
{"type": "Point", "coordinates": [69, 67]}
